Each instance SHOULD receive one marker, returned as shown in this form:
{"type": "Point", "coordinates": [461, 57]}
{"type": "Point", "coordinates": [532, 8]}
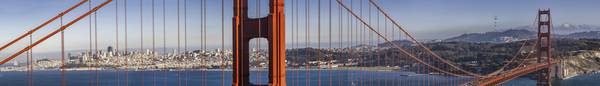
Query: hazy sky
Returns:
{"type": "Point", "coordinates": [426, 19]}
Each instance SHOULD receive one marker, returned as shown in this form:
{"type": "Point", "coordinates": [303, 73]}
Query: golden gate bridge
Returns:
{"type": "Point", "coordinates": [362, 25]}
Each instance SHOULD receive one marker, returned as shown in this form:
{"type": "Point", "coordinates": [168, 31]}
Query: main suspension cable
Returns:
{"type": "Point", "coordinates": [395, 45]}
{"type": "Point", "coordinates": [421, 45]}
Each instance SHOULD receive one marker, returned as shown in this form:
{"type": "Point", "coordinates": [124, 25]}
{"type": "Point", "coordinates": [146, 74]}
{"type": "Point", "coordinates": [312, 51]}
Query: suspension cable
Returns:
{"type": "Point", "coordinates": [350, 37]}
{"type": "Point", "coordinates": [329, 50]}
{"type": "Point", "coordinates": [142, 38]}
{"type": "Point", "coordinates": [293, 28]}
{"type": "Point", "coordinates": [178, 53]}
{"type": "Point", "coordinates": [395, 45]}
{"type": "Point", "coordinates": [340, 30]}
{"type": "Point", "coordinates": [62, 55]}
{"type": "Point", "coordinates": [118, 61]}
{"type": "Point", "coordinates": [421, 45]}
{"type": "Point", "coordinates": [294, 35]}
{"type": "Point", "coordinates": [90, 41]}
{"type": "Point", "coordinates": [153, 41]}
{"type": "Point", "coordinates": [126, 48]}
{"type": "Point", "coordinates": [371, 34]}
{"type": "Point", "coordinates": [222, 43]}
{"type": "Point", "coordinates": [514, 58]}
{"type": "Point", "coordinates": [30, 62]}
{"type": "Point", "coordinates": [185, 42]}
{"type": "Point", "coordinates": [202, 37]}
{"type": "Point", "coordinates": [307, 37]}
{"type": "Point", "coordinates": [319, 42]}
{"type": "Point", "coordinates": [205, 36]}
{"type": "Point", "coordinates": [90, 52]}
{"type": "Point", "coordinates": [96, 48]}
{"type": "Point", "coordinates": [164, 27]}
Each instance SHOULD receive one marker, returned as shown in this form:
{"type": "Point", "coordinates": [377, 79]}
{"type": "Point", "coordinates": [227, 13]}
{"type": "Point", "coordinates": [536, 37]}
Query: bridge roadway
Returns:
{"type": "Point", "coordinates": [509, 75]}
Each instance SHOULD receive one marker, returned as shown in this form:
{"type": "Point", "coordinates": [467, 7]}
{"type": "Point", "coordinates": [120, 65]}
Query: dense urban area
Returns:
{"type": "Point", "coordinates": [482, 57]}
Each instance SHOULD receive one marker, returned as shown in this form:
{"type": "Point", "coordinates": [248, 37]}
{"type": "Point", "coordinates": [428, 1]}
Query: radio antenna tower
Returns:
{"type": "Point", "coordinates": [496, 23]}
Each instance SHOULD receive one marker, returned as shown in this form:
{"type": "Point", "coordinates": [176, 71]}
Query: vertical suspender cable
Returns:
{"type": "Point", "coordinates": [259, 34]}
{"type": "Point", "coordinates": [340, 39]}
{"type": "Point", "coordinates": [319, 42]}
{"type": "Point", "coordinates": [153, 42]}
{"type": "Point", "coordinates": [178, 28]}
{"type": "Point", "coordinates": [360, 43]}
{"type": "Point", "coordinates": [178, 52]}
{"type": "Point", "coordinates": [142, 52]}
{"type": "Point", "coordinates": [205, 25]}
{"type": "Point", "coordinates": [201, 37]}
{"type": "Point", "coordinates": [385, 55]}
{"type": "Point", "coordinates": [307, 15]}
{"type": "Point", "coordinates": [126, 50]}
{"type": "Point", "coordinates": [117, 42]}
{"type": "Point", "coordinates": [185, 40]}
{"type": "Point", "coordinates": [62, 55]}
{"type": "Point", "coordinates": [30, 62]}
{"type": "Point", "coordinates": [205, 36]}
{"type": "Point", "coordinates": [295, 37]}
{"type": "Point", "coordinates": [185, 45]}
{"type": "Point", "coordinates": [164, 24]}
{"type": "Point", "coordinates": [345, 46]}
{"type": "Point", "coordinates": [222, 43]}
{"type": "Point", "coordinates": [293, 40]}
{"type": "Point", "coordinates": [96, 48]}
{"type": "Point", "coordinates": [349, 46]}
{"type": "Point", "coordinates": [90, 41]}
{"type": "Point", "coordinates": [298, 37]}
{"type": "Point", "coordinates": [378, 40]}
{"type": "Point", "coordinates": [370, 34]}
{"type": "Point", "coordinates": [392, 53]}
{"type": "Point", "coordinates": [329, 50]}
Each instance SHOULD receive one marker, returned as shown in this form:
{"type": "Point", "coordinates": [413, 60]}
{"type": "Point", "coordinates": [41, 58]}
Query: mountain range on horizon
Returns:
{"type": "Point", "coordinates": [528, 32]}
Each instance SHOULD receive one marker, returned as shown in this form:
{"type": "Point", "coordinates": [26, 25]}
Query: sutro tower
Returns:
{"type": "Point", "coordinates": [495, 23]}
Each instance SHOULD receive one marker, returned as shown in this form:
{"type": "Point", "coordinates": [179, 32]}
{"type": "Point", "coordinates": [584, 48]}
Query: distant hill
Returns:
{"type": "Point", "coordinates": [398, 42]}
{"type": "Point", "coordinates": [495, 37]}
{"type": "Point", "coordinates": [565, 29]}
{"type": "Point", "coordinates": [569, 31]}
{"type": "Point", "coordinates": [584, 35]}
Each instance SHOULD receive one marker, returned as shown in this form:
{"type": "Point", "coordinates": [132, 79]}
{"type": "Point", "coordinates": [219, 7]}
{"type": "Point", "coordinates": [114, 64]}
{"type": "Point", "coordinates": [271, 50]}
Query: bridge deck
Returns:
{"type": "Point", "coordinates": [503, 77]}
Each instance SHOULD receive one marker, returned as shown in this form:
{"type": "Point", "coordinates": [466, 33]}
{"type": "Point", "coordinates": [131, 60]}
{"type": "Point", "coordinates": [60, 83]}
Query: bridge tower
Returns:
{"type": "Point", "coordinates": [544, 53]}
{"type": "Point", "coordinates": [271, 27]}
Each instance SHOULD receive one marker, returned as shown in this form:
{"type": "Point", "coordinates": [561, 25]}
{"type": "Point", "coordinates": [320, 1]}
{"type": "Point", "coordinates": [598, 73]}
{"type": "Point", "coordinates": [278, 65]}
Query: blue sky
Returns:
{"type": "Point", "coordinates": [426, 19]}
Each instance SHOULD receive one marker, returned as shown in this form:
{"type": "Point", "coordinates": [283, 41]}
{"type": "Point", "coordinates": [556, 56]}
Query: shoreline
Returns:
{"type": "Point", "coordinates": [381, 69]}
